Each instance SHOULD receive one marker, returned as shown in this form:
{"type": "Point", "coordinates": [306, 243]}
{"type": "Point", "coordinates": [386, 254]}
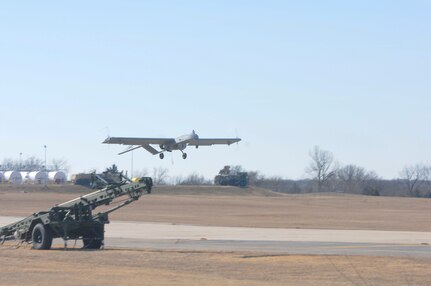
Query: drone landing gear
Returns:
{"type": "Point", "coordinates": [161, 155]}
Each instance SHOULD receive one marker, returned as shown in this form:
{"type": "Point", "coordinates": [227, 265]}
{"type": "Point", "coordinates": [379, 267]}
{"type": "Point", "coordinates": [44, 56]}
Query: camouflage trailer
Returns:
{"type": "Point", "coordinates": [74, 219]}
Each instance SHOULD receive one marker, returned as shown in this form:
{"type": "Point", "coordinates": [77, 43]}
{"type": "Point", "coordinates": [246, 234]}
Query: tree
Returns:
{"type": "Point", "coordinates": [322, 167]}
{"type": "Point", "coordinates": [160, 176]}
{"type": "Point", "coordinates": [60, 164]}
{"type": "Point", "coordinates": [33, 163]}
{"type": "Point", "coordinates": [414, 177]}
{"type": "Point", "coordinates": [9, 164]}
{"type": "Point", "coordinates": [194, 179]}
{"type": "Point", "coordinates": [255, 178]}
{"type": "Point", "coordinates": [236, 169]}
{"type": "Point", "coordinates": [351, 178]}
{"type": "Point", "coordinates": [355, 179]}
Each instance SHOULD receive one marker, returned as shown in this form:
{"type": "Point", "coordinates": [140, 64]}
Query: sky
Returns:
{"type": "Point", "coordinates": [352, 77]}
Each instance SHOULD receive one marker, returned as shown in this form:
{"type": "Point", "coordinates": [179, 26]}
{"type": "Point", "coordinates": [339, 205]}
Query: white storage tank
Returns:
{"type": "Point", "coordinates": [13, 177]}
{"type": "Point", "coordinates": [38, 177]}
{"type": "Point", "coordinates": [57, 177]}
{"type": "Point", "coordinates": [25, 176]}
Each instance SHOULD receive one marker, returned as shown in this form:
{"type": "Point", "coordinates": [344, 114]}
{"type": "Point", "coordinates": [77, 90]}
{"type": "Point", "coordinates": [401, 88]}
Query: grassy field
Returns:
{"type": "Point", "coordinates": [226, 206]}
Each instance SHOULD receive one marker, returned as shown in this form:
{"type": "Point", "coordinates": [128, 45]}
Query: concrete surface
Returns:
{"type": "Point", "coordinates": [268, 240]}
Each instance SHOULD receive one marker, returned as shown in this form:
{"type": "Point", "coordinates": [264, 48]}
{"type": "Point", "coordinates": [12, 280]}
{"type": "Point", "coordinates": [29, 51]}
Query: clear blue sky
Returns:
{"type": "Point", "coordinates": [352, 77]}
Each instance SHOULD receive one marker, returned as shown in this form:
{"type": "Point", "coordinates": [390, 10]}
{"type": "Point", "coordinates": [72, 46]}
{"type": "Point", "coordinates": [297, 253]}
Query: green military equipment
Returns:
{"type": "Point", "coordinates": [74, 219]}
{"type": "Point", "coordinates": [229, 177]}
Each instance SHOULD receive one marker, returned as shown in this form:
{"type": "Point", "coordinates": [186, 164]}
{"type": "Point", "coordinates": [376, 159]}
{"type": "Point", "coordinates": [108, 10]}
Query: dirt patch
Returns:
{"type": "Point", "coordinates": [144, 267]}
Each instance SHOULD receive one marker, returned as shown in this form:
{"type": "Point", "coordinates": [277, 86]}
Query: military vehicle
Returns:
{"type": "Point", "coordinates": [82, 179]}
{"type": "Point", "coordinates": [229, 177]}
{"type": "Point", "coordinates": [74, 219]}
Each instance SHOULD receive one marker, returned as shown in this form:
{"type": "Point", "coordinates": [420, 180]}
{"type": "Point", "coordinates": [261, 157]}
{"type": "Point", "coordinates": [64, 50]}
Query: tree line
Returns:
{"type": "Point", "coordinates": [161, 176]}
{"type": "Point", "coordinates": [33, 164]}
{"type": "Point", "coordinates": [327, 175]}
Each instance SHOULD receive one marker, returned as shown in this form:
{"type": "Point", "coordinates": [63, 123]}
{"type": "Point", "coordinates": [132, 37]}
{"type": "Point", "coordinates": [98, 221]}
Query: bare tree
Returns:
{"type": "Point", "coordinates": [414, 177]}
{"type": "Point", "coordinates": [236, 169]}
{"type": "Point", "coordinates": [160, 175]}
{"type": "Point", "coordinates": [355, 179]}
{"type": "Point", "coordinates": [177, 180]}
{"type": "Point", "coordinates": [60, 164]}
{"type": "Point", "coordinates": [351, 178]}
{"type": "Point", "coordinates": [33, 164]}
{"type": "Point", "coordinates": [9, 164]}
{"type": "Point", "coordinates": [255, 178]}
{"type": "Point", "coordinates": [194, 179]}
{"type": "Point", "coordinates": [427, 179]}
{"type": "Point", "coordinates": [322, 167]}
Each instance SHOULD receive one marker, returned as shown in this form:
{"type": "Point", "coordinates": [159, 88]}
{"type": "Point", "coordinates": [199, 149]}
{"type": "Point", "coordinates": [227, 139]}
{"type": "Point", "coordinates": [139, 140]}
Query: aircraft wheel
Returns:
{"type": "Point", "coordinates": [161, 155]}
{"type": "Point", "coordinates": [184, 155]}
{"type": "Point", "coordinates": [41, 237]}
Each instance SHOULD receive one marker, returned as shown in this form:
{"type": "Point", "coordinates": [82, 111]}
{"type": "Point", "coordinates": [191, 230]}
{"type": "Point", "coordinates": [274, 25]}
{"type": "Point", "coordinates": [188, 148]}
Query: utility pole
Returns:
{"type": "Point", "coordinates": [20, 160]}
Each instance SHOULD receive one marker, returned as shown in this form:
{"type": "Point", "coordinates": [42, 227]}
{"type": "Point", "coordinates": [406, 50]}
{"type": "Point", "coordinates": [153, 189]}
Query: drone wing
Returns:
{"type": "Point", "coordinates": [213, 141]}
{"type": "Point", "coordinates": [140, 142]}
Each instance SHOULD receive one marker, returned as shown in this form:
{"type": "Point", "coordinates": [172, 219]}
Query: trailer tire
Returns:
{"type": "Point", "coordinates": [41, 237]}
{"type": "Point", "coordinates": [90, 243]}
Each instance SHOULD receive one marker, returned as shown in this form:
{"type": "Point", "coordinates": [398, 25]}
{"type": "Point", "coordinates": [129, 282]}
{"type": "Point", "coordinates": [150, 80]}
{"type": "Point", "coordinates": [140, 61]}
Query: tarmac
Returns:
{"type": "Point", "coordinates": [273, 241]}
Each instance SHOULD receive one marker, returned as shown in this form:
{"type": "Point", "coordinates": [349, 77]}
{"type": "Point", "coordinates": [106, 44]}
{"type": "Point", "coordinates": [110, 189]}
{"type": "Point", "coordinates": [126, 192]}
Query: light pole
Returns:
{"type": "Point", "coordinates": [20, 160]}
{"type": "Point", "coordinates": [44, 146]}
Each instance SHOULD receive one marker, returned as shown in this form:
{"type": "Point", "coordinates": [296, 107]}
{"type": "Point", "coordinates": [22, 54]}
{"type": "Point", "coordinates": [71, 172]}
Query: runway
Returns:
{"type": "Point", "coordinates": [274, 241]}
{"type": "Point", "coordinates": [275, 248]}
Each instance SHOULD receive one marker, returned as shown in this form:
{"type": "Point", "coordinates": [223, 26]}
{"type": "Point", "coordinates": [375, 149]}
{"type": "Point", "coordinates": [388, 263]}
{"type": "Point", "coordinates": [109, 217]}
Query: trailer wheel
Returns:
{"type": "Point", "coordinates": [90, 243]}
{"type": "Point", "coordinates": [41, 237]}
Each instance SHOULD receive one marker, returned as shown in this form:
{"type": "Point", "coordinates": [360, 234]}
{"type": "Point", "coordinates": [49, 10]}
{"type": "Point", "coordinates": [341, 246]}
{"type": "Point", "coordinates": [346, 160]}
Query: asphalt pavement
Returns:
{"type": "Point", "coordinates": [261, 241]}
